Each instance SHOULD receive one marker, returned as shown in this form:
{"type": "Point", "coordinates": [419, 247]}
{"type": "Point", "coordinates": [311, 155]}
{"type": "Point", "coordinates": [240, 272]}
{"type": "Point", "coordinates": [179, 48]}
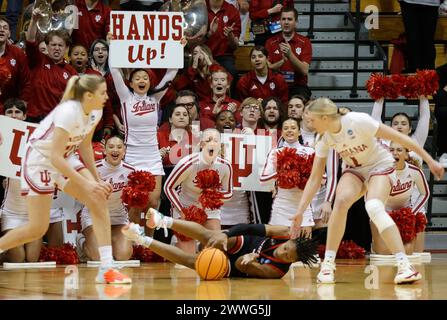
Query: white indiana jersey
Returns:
{"type": "Point", "coordinates": [355, 142]}
{"type": "Point", "coordinates": [286, 200]}
{"type": "Point", "coordinates": [13, 201]}
{"type": "Point", "coordinates": [117, 177]}
{"type": "Point", "coordinates": [70, 116]}
{"type": "Point", "coordinates": [402, 192]}
{"type": "Point", "coordinates": [236, 210]}
{"type": "Point", "coordinates": [184, 174]}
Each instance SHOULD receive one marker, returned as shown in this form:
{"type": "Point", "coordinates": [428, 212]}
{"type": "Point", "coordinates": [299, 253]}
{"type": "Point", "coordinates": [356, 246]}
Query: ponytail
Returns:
{"type": "Point", "coordinates": [78, 85]}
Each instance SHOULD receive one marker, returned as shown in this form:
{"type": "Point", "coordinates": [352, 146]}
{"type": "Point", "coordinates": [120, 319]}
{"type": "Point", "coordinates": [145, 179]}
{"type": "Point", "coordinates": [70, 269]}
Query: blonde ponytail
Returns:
{"type": "Point", "coordinates": [326, 107]}
{"type": "Point", "coordinates": [78, 85]}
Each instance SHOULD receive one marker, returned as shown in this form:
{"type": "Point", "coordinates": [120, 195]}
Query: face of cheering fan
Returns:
{"type": "Point", "coordinates": [219, 83]}
{"type": "Point", "coordinates": [15, 113]}
{"type": "Point", "coordinates": [43, 48]}
{"type": "Point", "coordinates": [271, 112]}
{"type": "Point", "coordinates": [258, 60]}
{"type": "Point", "coordinates": [140, 82]}
{"type": "Point", "coordinates": [399, 152]}
{"type": "Point", "coordinates": [79, 58]}
{"type": "Point", "coordinates": [290, 131]}
{"type": "Point", "coordinates": [4, 32]}
{"type": "Point", "coordinates": [401, 124]}
{"type": "Point", "coordinates": [210, 145]}
{"type": "Point", "coordinates": [179, 118]}
{"type": "Point", "coordinates": [286, 252]}
{"type": "Point", "coordinates": [57, 49]}
{"type": "Point", "coordinates": [115, 151]}
{"type": "Point", "coordinates": [100, 53]}
{"type": "Point", "coordinates": [225, 121]}
{"type": "Point", "coordinates": [295, 108]}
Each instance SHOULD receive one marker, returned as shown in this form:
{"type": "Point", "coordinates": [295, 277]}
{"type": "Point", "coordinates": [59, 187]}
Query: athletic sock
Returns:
{"type": "Point", "coordinates": [401, 257]}
{"type": "Point", "coordinates": [105, 254]}
{"type": "Point", "coordinates": [329, 256]}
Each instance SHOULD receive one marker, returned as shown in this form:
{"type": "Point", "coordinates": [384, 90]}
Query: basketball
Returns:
{"type": "Point", "coordinates": [211, 264]}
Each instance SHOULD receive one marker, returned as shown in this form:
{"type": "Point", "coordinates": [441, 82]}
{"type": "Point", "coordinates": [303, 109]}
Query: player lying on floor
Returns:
{"type": "Point", "coordinates": [254, 250]}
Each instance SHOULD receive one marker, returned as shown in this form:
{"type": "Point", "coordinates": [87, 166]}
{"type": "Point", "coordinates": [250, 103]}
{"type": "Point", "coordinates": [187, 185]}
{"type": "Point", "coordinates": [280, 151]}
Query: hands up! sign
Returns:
{"type": "Point", "coordinates": [146, 39]}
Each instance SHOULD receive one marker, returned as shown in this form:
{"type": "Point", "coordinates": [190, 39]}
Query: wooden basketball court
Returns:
{"type": "Point", "coordinates": [160, 281]}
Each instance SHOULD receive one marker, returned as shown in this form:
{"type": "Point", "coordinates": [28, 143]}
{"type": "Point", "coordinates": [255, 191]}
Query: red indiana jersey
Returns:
{"type": "Point", "coordinates": [19, 84]}
{"type": "Point", "coordinates": [48, 81]}
{"type": "Point", "coordinates": [301, 48]}
{"type": "Point", "coordinates": [92, 24]}
{"type": "Point", "coordinates": [275, 85]}
{"type": "Point", "coordinates": [207, 106]}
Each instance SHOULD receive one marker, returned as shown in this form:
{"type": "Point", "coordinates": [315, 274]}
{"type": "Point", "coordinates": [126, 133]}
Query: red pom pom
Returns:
{"type": "Point", "coordinates": [136, 193]}
{"type": "Point", "coordinates": [144, 180]}
{"type": "Point", "coordinates": [98, 150]}
{"type": "Point", "coordinates": [397, 83]}
{"type": "Point", "coordinates": [405, 220]}
{"type": "Point", "coordinates": [293, 169]}
{"type": "Point", "coordinates": [145, 255]}
{"type": "Point", "coordinates": [134, 197]}
{"type": "Point", "coordinates": [378, 85]}
{"type": "Point", "coordinates": [209, 181]}
{"type": "Point", "coordinates": [348, 249]}
{"type": "Point", "coordinates": [428, 82]}
{"type": "Point", "coordinates": [421, 222]}
{"type": "Point", "coordinates": [65, 254]}
{"type": "Point", "coordinates": [411, 88]}
{"type": "Point", "coordinates": [5, 72]}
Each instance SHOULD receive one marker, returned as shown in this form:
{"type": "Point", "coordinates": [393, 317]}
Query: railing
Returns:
{"type": "Point", "coordinates": [310, 32]}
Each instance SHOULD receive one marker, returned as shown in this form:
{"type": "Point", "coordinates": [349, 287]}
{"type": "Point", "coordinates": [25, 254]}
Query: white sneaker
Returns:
{"type": "Point", "coordinates": [443, 160]}
{"type": "Point", "coordinates": [133, 232]}
{"type": "Point", "coordinates": [156, 220]}
{"type": "Point", "coordinates": [80, 240]}
{"type": "Point", "coordinates": [406, 273]}
{"type": "Point", "coordinates": [327, 273]}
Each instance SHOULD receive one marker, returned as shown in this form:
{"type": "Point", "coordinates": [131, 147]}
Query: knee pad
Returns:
{"type": "Point", "coordinates": [377, 214]}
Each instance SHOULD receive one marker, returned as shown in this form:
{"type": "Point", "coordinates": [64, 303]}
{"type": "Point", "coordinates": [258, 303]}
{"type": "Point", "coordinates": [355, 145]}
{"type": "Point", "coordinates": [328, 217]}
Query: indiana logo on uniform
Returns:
{"type": "Point", "coordinates": [45, 177]}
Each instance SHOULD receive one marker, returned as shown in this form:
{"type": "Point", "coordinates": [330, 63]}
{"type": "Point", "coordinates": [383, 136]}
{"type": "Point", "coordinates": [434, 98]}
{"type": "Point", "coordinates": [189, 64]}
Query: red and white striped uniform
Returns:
{"type": "Point", "coordinates": [140, 117]}
{"type": "Point", "coordinates": [38, 174]}
{"type": "Point", "coordinates": [181, 190]}
{"type": "Point", "coordinates": [357, 145]}
{"type": "Point", "coordinates": [117, 177]}
{"type": "Point", "coordinates": [286, 200]}
{"type": "Point", "coordinates": [402, 192]}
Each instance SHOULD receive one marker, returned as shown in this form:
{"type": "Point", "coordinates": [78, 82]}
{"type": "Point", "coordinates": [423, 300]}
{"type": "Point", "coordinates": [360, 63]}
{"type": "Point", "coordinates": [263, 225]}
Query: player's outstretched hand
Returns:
{"type": "Point", "coordinates": [218, 240]}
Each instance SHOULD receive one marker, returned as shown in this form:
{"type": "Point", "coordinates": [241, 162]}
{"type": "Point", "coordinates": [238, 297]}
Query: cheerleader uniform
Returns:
{"type": "Point", "coordinates": [181, 190]}
{"type": "Point", "coordinates": [140, 119]}
{"type": "Point", "coordinates": [117, 177]}
{"type": "Point", "coordinates": [286, 200]}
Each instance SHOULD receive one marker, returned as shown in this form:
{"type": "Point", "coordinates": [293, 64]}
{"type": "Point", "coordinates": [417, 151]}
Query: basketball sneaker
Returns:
{"type": "Point", "coordinates": [110, 275]}
{"type": "Point", "coordinates": [327, 273]}
{"type": "Point", "coordinates": [156, 220]}
{"type": "Point", "coordinates": [406, 273]}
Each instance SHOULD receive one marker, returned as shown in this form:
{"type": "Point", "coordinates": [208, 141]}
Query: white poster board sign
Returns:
{"type": "Point", "coordinates": [146, 39]}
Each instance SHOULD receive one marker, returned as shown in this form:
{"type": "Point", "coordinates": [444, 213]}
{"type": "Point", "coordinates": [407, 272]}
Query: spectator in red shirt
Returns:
{"type": "Point", "coordinates": [93, 22]}
{"type": "Point", "coordinates": [291, 53]}
{"type": "Point", "coordinates": [210, 107]}
{"type": "Point", "coordinates": [49, 73]}
{"type": "Point", "coordinates": [176, 142]}
{"type": "Point", "coordinates": [15, 82]}
{"type": "Point", "coordinates": [224, 29]}
{"type": "Point", "coordinates": [79, 60]}
{"type": "Point", "coordinates": [189, 100]}
{"type": "Point", "coordinates": [196, 76]}
{"type": "Point", "coordinates": [265, 16]}
{"type": "Point", "coordinates": [261, 82]}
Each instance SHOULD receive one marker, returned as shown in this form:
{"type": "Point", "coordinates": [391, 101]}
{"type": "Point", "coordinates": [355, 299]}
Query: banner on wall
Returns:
{"type": "Point", "coordinates": [146, 39]}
